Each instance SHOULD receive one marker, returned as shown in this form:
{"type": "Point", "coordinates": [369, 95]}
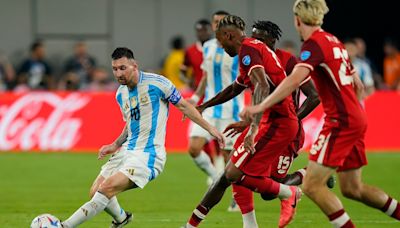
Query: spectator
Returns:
{"type": "Point", "coordinates": [7, 73]}
{"type": "Point", "coordinates": [191, 70]}
{"type": "Point", "coordinates": [391, 64]}
{"type": "Point", "coordinates": [362, 67]}
{"type": "Point", "coordinates": [81, 63]}
{"type": "Point", "coordinates": [70, 81]}
{"type": "Point", "coordinates": [362, 51]}
{"type": "Point", "coordinates": [37, 71]}
{"type": "Point", "coordinates": [101, 81]}
{"type": "Point", "coordinates": [173, 62]}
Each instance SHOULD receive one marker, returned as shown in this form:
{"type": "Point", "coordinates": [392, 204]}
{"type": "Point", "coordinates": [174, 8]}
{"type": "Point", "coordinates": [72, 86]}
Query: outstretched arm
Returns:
{"type": "Point", "coordinates": [284, 89]}
{"type": "Point", "coordinates": [225, 95]}
{"type": "Point", "coordinates": [111, 148]}
{"type": "Point", "coordinates": [312, 100]}
{"type": "Point", "coordinates": [190, 111]}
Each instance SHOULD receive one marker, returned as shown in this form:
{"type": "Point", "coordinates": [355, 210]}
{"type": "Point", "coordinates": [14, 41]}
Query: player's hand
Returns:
{"type": "Point", "coordinates": [220, 137]}
{"type": "Point", "coordinates": [249, 139]}
{"type": "Point", "coordinates": [192, 102]}
{"type": "Point", "coordinates": [247, 114]}
{"type": "Point", "coordinates": [235, 128]}
{"type": "Point", "coordinates": [106, 150]}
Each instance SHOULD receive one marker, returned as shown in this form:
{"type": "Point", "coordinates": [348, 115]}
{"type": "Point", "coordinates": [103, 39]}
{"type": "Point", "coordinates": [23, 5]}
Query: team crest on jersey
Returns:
{"type": "Point", "coordinates": [246, 60]}
{"type": "Point", "coordinates": [144, 99]}
{"type": "Point", "coordinates": [134, 102]}
{"type": "Point", "coordinates": [304, 55]}
{"type": "Point", "coordinates": [218, 58]}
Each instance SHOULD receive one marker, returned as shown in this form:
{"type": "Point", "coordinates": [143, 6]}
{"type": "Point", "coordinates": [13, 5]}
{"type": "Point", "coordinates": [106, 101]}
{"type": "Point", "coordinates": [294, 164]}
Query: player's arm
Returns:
{"type": "Point", "coordinates": [200, 90]}
{"type": "Point", "coordinates": [111, 148]}
{"type": "Point", "coordinates": [190, 111]}
{"type": "Point", "coordinates": [225, 95]}
{"type": "Point", "coordinates": [358, 86]}
{"type": "Point", "coordinates": [312, 100]}
{"type": "Point", "coordinates": [284, 89]}
{"type": "Point", "coordinates": [261, 91]}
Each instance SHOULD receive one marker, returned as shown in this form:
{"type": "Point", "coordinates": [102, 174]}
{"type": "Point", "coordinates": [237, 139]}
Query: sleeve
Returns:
{"type": "Point", "coordinates": [311, 55]}
{"type": "Point", "coordinates": [170, 93]}
{"type": "Point", "coordinates": [250, 58]}
{"type": "Point", "coordinates": [118, 97]}
{"type": "Point", "coordinates": [290, 64]}
{"type": "Point", "coordinates": [241, 81]}
{"type": "Point", "coordinates": [186, 59]}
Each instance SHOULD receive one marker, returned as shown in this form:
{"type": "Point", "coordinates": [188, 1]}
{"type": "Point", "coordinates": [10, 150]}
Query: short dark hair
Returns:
{"type": "Point", "coordinates": [202, 23]}
{"type": "Point", "coordinates": [233, 21]}
{"type": "Point", "coordinates": [36, 45]}
{"type": "Point", "coordinates": [221, 12]}
{"type": "Point", "coordinates": [271, 28]}
{"type": "Point", "coordinates": [177, 42]}
{"type": "Point", "coordinates": [121, 52]}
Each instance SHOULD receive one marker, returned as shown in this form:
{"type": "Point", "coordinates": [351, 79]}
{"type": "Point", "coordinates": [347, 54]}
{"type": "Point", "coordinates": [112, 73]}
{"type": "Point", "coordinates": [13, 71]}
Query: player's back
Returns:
{"type": "Point", "coordinates": [145, 110]}
{"type": "Point", "coordinates": [194, 58]}
{"type": "Point", "coordinates": [221, 71]}
{"type": "Point", "coordinates": [332, 75]}
{"type": "Point", "coordinates": [253, 53]}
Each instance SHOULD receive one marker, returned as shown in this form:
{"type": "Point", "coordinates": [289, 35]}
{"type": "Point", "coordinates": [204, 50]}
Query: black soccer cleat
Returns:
{"type": "Point", "coordinates": [127, 220]}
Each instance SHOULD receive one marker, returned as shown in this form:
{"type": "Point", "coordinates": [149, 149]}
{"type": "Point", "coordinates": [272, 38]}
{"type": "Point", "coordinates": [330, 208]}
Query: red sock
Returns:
{"type": "Point", "coordinates": [260, 184]}
{"type": "Point", "coordinates": [340, 219]}
{"type": "Point", "coordinates": [198, 215]}
{"type": "Point", "coordinates": [243, 197]}
{"type": "Point", "coordinates": [392, 208]}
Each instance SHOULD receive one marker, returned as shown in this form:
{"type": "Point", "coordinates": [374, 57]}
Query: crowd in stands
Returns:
{"type": "Point", "coordinates": [80, 71]}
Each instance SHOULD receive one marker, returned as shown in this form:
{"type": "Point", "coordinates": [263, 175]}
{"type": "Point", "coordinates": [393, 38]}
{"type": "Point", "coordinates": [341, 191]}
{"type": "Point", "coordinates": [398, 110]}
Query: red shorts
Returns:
{"type": "Point", "coordinates": [271, 141]}
{"type": "Point", "coordinates": [339, 147]}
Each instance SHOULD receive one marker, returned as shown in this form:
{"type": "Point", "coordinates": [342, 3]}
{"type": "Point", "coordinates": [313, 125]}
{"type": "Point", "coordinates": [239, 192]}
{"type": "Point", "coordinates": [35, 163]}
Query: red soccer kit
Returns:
{"type": "Point", "coordinates": [279, 124]}
{"type": "Point", "coordinates": [341, 140]}
{"type": "Point", "coordinates": [193, 59]}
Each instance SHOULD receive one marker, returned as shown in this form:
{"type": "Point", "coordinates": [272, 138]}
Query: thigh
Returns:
{"type": "Point", "coordinates": [317, 174]}
{"type": "Point", "coordinates": [113, 163]}
{"type": "Point", "coordinates": [197, 131]}
{"type": "Point", "coordinates": [281, 165]}
{"type": "Point", "coordinates": [221, 124]}
{"type": "Point", "coordinates": [356, 158]}
{"type": "Point", "coordinates": [116, 184]}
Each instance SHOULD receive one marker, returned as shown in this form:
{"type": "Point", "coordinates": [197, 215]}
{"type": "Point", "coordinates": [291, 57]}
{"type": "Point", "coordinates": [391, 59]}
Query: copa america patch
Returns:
{"type": "Point", "coordinates": [246, 60]}
{"type": "Point", "coordinates": [304, 55]}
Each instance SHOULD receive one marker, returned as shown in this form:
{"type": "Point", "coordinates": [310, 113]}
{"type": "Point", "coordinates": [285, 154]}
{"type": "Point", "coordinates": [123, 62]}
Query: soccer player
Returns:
{"type": "Point", "coordinates": [340, 145]}
{"type": "Point", "coordinates": [219, 71]}
{"type": "Point", "coordinates": [268, 134]}
{"type": "Point", "coordinates": [138, 154]}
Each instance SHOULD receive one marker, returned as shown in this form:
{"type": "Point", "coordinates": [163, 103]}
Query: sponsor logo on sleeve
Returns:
{"type": "Point", "coordinates": [304, 55]}
{"type": "Point", "coordinates": [246, 60]}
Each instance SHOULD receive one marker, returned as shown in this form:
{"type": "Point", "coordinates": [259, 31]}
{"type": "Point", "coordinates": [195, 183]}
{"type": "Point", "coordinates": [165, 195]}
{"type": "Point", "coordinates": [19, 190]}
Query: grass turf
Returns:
{"type": "Point", "coordinates": [58, 183]}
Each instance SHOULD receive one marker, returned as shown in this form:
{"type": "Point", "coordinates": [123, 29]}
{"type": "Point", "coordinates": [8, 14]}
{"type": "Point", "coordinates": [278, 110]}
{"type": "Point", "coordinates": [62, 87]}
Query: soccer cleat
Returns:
{"type": "Point", "coordinates": [127, 220]}
{"type": "Point", "coordinates": [331, 182]}
{"type": "Point", "coordinates": [288, 207]}
{"type": "Point", "coordinates": [233, 207]}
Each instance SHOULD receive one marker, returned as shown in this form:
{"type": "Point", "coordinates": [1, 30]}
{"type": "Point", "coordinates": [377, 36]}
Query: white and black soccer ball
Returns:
{"type": "Point", "coordinates": [46, 221]}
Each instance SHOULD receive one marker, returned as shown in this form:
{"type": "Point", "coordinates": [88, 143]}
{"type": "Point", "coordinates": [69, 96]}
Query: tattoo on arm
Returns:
{"type": "Point", "coordinates": [122, 138]}
{"type": "Point", "coordinates": [260, 93]}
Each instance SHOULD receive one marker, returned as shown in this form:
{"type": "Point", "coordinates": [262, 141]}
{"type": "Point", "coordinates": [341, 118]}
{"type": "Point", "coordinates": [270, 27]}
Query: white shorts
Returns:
{"type": "Point", "coordinates": [134, 165]}
{"type": "Point", "coordinates": [220, 124]}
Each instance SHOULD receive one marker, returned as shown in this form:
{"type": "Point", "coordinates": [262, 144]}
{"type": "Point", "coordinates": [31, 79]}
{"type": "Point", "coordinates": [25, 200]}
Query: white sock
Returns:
{"type": "Point", "coordinates": [249, 220]}
{"type": "Point", "coordinates": [203, 161]}
{"type": "Point", "coordinates": [87, 211]}
{"type": "Point", "coordinates": [219, 164]}
{"type": "Point", "coordinates": [189, 226]}
{"type": "Point", "coordinates": [284, 191]}
{"type": "Point", "coordinates": [302, 172]}
{"type": "Point", "coordinates": [115, 210]}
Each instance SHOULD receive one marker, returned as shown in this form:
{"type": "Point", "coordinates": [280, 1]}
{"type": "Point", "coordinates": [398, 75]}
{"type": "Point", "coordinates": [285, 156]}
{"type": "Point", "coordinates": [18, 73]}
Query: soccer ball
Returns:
{"type": "Point", "coordinates": [46, 221]}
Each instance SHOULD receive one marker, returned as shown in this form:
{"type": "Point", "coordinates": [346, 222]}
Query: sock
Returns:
{"type": "Point", "coordinates": [301, 172]}
{"type": "Point", "coordinates": [340, 219]}
{"type": "Point", "coordinates": [392, 208]}
{"type": "Point", "coordinates": [249, 220]}
{"type": "Point", "coordinates": [197, 216]}
{"type": "Point", "coordinates": [203, 161]}
{"type": "Point", "coordinates": [87, 211]}
{"type": "Point", "coordinates": [244, 198]}
{"type": "Point", "coordinates": [114, 209]}
{"type": "Point", "coordinates": [261, 185]}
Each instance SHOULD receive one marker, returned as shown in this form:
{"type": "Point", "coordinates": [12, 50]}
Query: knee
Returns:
{"type": "Point", "coordinates": [107, 189]}
{"type": "Point", "coordinates": [309, 188]}
{"type": "Point", "coordinates": [194, 150]}
{"type": "Point", "coordinates": [351, 192]}
{"type": "Point", "coordinates": [92, 192]}
{"type": "Point", "coordinates": [231, 175]}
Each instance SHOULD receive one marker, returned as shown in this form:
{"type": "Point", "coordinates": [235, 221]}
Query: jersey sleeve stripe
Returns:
{"type": "Point", "coordinates": [244, 85]}
{"type": "Point", "coordinates": [253, 67]}
{"type": "Point", "coordinates": [305, 80]}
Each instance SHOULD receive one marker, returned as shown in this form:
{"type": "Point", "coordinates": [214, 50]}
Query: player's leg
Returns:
{"type": "Point", "coordinates": [315, 188]}
{"type": "Point", "coordinates": [109, 188]}
{"type": "Point", "coordinates": [245, 200]}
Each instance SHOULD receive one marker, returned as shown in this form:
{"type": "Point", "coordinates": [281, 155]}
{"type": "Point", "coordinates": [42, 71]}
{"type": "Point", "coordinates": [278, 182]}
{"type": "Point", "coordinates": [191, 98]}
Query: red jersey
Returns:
{"type": "Point", "coordinates": [254, 53]}
{"type": "Point", "coordinates": [193, 59]}
{"type": "Point", "coordinates": [332, 71]}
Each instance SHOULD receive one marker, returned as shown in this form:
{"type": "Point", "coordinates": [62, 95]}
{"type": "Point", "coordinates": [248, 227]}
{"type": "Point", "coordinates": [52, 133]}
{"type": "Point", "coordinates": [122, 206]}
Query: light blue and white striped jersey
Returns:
{"type": "Point", "coordinates": [221, 70]}
{"type": "Point", "coordinates": [145, 109]}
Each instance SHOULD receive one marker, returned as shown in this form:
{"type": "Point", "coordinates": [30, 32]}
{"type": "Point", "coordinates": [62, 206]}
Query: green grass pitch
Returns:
{"type": "Point", "coordinates": [58, 183]}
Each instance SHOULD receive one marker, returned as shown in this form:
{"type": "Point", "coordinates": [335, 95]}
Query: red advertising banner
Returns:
{"type": "Point", "coordinates": [46, 121]}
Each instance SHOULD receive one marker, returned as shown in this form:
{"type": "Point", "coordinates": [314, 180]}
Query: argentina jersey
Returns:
{"type": "Point", "coordinates": [221, 70]}
{"type": "Point", "coordinates": [145, 110]}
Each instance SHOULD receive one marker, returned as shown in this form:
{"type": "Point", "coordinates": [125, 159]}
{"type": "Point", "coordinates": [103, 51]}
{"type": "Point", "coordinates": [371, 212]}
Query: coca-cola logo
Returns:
{"type": "Point", "coordinates": [41, 120]}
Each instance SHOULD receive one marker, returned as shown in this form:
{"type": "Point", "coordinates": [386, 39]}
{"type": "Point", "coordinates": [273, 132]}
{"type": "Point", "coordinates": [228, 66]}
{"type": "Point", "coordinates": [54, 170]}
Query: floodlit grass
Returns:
{"type": "Point", "coordinates": [58, 183]}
